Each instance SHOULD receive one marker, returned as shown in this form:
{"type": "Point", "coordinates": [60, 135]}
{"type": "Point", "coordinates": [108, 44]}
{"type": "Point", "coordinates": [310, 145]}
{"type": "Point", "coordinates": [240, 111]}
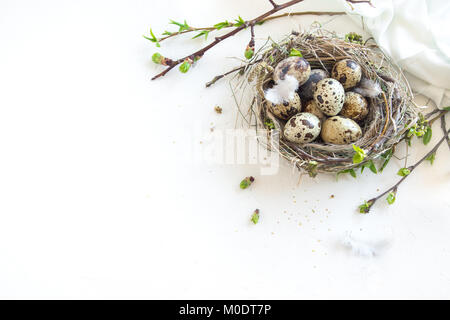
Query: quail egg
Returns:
{"type": "Point", "coordinates": [355, 106]}
{"type": "Point", "coordinates": [307, 89]}
{"type": "Point", "coordinates": [311, 107]}
{"type": "Point", "coordinates": [294, 66]}
{"type": "Point", "coordinates": [340, 130]}
{"type": "Point", "coordinates": [302, 128]}
{"type": "Point", "coordinates": [286, 109]}
{"type": "Point", "coordinates": [329, 96]}
{"type": "Point", "coordinates": [347, 72]}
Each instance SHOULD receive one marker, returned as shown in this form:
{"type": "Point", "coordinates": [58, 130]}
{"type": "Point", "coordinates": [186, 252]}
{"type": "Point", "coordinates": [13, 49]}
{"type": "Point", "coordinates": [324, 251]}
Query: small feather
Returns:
{"type": "Point", "coordinates": [282, 91]}
{"type": "Point", "coordinates": [368, 88]}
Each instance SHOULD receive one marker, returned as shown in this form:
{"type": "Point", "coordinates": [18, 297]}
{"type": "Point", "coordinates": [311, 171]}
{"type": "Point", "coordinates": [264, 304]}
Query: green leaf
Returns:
{"type": "Point", "coordinates": [239, 22]}
{"type": "Point", "coordinates": [431, 158]}
{"type": "Point", "coordinates": [202, 33]}
{"type": "Point", "coordinates": [153, 38]}
{"type": "Point", "coordinates": [446, 108]}
{"type": "Point", "coordinates": [427, 136]}
{"type": "Point", "coordinates": [359, 155]}
{"type": "Point", "coordinates": [372, 167]}
{"type": "Point", "coordinates": [183, 26]}
{"type": "Point", "coordinates": [185, 66]}
{"type": "Point", "coordinates": [295, 53]}
{"type": "Point", "coordinates": [351, 171]}
{"type": "Point", "coordinates": [223, 24]}
{"type": "Point", "coordinates": [391, 197]}
{"type": "Point", "coordinates": [167, 33]}
{"type": "Point", "coordinates": [387, 156]}
{"type": "Point", "coordinates": [255, 216]}
{"type": "Point", "coordinates": [403, 172]}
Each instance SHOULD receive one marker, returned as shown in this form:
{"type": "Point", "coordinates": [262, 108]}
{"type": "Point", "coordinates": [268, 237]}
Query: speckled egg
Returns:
{"type": "Point", "coordinates": [311, 107]}
{"type": "Point", "coordinates": [340, 130]}
{"type": "Point", "coordinates": [306, 91]}
{"type": "Point", "coordinates": [347, 72]}
{"type": "Point", "coordinates": [329, 96]}
{"type": "Point", "coordinates": [286, 109]}
{"type": "Point", "coordinates": [294, 66]}
{"type": "Point", "coordinates": [302, 128]}
{"type": "Point", "coordinates": [355, 106]}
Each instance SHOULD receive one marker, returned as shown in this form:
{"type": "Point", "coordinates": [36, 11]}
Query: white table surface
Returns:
{"type": "Point", "coordinates": [99, 199]}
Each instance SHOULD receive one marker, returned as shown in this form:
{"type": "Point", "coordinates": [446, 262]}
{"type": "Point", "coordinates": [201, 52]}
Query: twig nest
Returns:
{"type": "Point", "coordinates": [286, 109]}
{"type": "Point", "coordinates": [355, 106]}
{"type": "Point", "coordinates": [302, 128]}
{"type": "Point", "coordinates": [306, 91]}
{"type": "Point", "coordinates": [329, 96]}
{"type": "Point", "coordinates": [340, 130]}
{"type": "Point", "coordinates": [347, 72]}
{"type": "Point", "coordinates": [311, 107]}
{"type": "Point", "coordinates": [294, 66]}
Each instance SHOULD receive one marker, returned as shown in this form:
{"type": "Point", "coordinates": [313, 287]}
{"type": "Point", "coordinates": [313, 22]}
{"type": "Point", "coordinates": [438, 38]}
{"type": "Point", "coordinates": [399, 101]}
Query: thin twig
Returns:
{"type": "Point", "coordinates": [233, 25]}
{"type": "Point", "coordinates": [444, 128]}
{"type": "Point", "coordinates": [394, 188]}
{"type": "Point", "coordinates": [198, 54]}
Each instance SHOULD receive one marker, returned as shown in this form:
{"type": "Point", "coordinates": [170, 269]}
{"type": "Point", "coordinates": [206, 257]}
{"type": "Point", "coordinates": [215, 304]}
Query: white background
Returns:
{"type": "Point", "coordinates": [99, 198]}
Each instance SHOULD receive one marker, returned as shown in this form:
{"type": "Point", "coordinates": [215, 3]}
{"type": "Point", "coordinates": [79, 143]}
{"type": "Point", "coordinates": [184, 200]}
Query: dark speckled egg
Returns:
{"type": "Point", "coordinates": [306, 91]}
{"type": "Point", "coordinates": [294, 66]}
{"type": "Point", "coordinates": [286, 109]}
{"type": "Point", "coordinates": [355, 106]}
{"type": "Point", "coordinates": [302, 128]}
{"type": "Point", "coordinates": [329, 96]}
{"type": "Point", "coordinates": [347, 72]}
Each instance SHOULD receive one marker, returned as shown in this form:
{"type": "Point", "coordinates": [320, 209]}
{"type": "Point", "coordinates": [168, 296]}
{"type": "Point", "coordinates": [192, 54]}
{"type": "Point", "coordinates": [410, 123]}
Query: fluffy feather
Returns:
{"type": "Point", "coordinates": [368, 88]}
{"type": "Point", "coordinates": [364, 248]}
{"type": "Point", "coordinates": [282, 91]}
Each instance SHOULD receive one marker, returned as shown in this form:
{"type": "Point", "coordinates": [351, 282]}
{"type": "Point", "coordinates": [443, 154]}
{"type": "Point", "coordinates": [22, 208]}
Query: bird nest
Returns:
{"type": "Point", "coordinates": [391, 112]}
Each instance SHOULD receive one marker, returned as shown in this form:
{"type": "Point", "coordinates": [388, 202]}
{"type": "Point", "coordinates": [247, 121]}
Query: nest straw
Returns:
{"type": "Point", "coordinates": [391, 112]}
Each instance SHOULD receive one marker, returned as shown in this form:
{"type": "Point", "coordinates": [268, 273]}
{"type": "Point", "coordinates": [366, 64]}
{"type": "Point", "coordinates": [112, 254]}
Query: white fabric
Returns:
{"type": "Point", "coordinates": [416, 34]}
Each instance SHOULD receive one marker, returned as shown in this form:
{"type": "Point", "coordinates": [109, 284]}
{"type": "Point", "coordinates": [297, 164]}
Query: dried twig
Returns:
{"type": "Point", "coordinates": [394, 188]}
{"type": "Point", "coordinates": [250, 23]}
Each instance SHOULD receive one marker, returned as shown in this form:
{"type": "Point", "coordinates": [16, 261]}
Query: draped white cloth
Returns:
{"type": "Point", "coordinates": [416, 34]}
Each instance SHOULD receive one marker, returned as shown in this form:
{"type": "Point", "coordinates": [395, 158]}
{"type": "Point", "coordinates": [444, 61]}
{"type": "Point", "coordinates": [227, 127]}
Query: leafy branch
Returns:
{"type": "Point", "coordinates": [404, 173]}
{"type": "Point", "coordinates": [239, 25]}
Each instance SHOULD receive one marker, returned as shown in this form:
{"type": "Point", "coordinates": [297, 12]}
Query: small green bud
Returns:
{"type": "Point", "coordinates": [295, 53]}
{"type": "Point", "coordinates": [249, 52]}
{"type": "Point", "coordinates": [391, 197]}
{"type": "Point", "coordinates": [403, 172]}
{"type": "Point", "coordinates": [157, 58]}
{"type": "Point", "coordinates": [246, 182]}
{"type": "Point", "coordinates": [255, 216]}
{"type": "Point", "coordinates": [185, 66]}
{"type": "Point", "coordinates": [365, 207]}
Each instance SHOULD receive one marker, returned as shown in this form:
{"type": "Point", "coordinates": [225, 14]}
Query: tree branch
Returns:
{"type": "Point", "coordinates": [198, 54]}
{"type": "Point", "coordinates": [444, 128]}
{"type": "Point", "coordinates": [394, 188]}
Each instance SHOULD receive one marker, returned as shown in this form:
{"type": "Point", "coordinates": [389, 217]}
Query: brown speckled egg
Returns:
{"type": "Point", "coordinates": [355, 106]}
{"type": "Point", "coordinates": [294, 66]}
{"type": "Point", "coordinates": [302, 128]}
{"type": "Point", "coordinates": [340, 130]}
{"type": "Point", "coordinates": [286, 109]}
{"type": "Point", "coordinates": [329, 96]}
{"type": "Point", "coordinates": [311, 107]}
{"type": "Point", "coordinates": [306, 91]}
{"type": "Point", "coordinates": [347, 72]}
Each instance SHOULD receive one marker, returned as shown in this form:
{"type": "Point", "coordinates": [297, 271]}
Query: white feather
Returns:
{"type": "Point", "coordinates": [282, 91]}
{"type": "Point", "coordinates": [368, 88]}
{"type": "Point", "coordinates": [364, 248]}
